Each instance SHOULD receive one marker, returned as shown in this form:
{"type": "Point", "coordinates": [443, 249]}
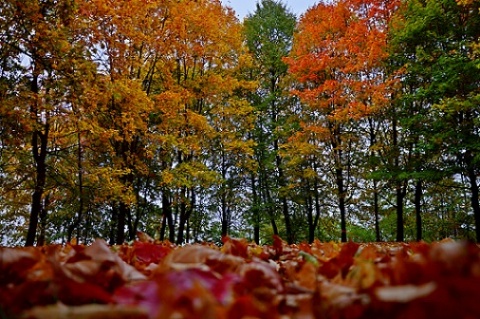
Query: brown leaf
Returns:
{"type": "Point", "coordinates": [405, 293]}
{"type": "Point", "coordinates": [93, 311]}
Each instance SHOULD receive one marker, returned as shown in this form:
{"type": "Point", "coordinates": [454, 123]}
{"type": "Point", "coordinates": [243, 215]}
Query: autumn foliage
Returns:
{"type": "Point", "coordinates": [152, 279]}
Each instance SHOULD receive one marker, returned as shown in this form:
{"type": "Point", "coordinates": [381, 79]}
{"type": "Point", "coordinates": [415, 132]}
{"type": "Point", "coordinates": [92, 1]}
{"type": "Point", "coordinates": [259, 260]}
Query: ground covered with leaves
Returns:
{"type": "Point", "coordinates": [150, 279]}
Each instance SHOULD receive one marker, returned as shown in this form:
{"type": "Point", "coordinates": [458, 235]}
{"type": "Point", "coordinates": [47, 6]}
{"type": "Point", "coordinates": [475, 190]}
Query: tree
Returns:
{"type": "Point", "coordinates": [269, 33]}
{"type": "Point", "coordinates": [436, 41]}
{"type": "Point", "coordinates": [43, 45]}
{"type": "Point", "coordinates": [338, 60]}
{"type": "Point", "coordinates": [199, 97]}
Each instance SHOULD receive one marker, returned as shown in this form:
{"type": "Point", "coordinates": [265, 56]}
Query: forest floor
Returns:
{"type": "Point", "coordinates": [151, 279]}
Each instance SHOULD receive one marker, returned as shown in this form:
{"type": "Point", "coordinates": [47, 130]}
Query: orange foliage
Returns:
{"type": "Point", "coordinates": [338, 57]}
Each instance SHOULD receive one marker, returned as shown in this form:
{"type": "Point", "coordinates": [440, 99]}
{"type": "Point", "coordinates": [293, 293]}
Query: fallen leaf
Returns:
{"type": "Point", "coordinates": [405, 293]}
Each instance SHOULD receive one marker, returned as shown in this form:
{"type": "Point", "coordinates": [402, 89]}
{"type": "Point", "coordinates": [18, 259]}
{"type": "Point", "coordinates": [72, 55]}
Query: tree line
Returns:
{"type": "Point", "coordinates": [358, 120]}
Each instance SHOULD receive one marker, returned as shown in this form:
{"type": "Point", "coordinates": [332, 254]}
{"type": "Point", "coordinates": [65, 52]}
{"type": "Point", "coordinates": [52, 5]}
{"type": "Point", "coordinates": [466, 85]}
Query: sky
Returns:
{"type": "Point", "coordinates": [243, 7]}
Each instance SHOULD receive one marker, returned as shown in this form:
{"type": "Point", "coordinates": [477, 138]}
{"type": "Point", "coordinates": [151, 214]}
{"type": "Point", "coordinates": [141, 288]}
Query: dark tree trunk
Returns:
{"type": "Point", "coordinates": [266, 198]}
{"type": "Point", "coordinates": [79, 217]}
{"type": "Point", "coordinates": [317, 208]}
{"type": "Point", "coordinates": [255, 212]}
{"type": "Point", "coordinates": [378, 236]}
{"type": "Point", "coordinates": [181, 224]}
{"type": "Point", "coordinates": [341, 204]}
{"type": "Point", "coordinates": [341, 191]}
{"type": "Point", "coordinates": [39, 152]}
{"type": "Point", "coordinates": [274, 225]}
{"type": "Point", "coordinates": [41, 172]}
{"type": "Point", "coordinates": [474, 193]}
{"type": "Point", "coordinates": [418, 208]}
{"type": "Point", "coordinates": [163, 227]}
{"type": "Point", "coordinates": [113, 223]}
{"type": "Point", "coordinates": [225, 217]}
{"type": "Point", "coordinates": [376, 209]}
{"type": "Point", "coordinates": [185, 213]}
{"type": "Point", "coordinates": [123, 212]}
{"type": "Point", "coordinates": [311, 227]}
{"type": "Point", "coordinates": [399, 187]}
{"type": "Point", "coordinates": [400, 194]}
{"type": "Point", "coordinates": [41, 240]}
{"type": "Point", "coordinates": [271, 211]}
{"type": "Point", "coordinates": [167, 216]}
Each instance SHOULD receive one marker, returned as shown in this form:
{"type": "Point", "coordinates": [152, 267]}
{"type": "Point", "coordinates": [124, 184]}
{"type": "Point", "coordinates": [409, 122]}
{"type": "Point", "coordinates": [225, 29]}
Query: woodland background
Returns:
{"type": "Point", "coordinates": [356, 121]}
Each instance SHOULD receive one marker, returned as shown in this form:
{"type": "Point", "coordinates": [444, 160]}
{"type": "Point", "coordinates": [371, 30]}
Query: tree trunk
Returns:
{"type": "Point", "coordinates": [113, 223]}
{"type": "Point", "coordinates": [474, 193]}
{"type": "Point", "coordinates": [378, 236]}
{"type": "Point", "coordinates": [317, 208]}
{"type": "Point", "coordinates": [418, 208]}
{"type": "Point", "coordinates": [78, 219]}
{"type": "Point", "coordinates": [283, 197]}
{"type": "Point", "coordinates": [42, 236]}
{"type": "Point", "coordinates": [185, 213]}
{"type": "Point", "coordinates": [39, 153]}
{"type": "Point", "coordinates": [168, 216]}
{"type": "Point", "coordinates": [225, 218]}
{"type": "Point", "coordinates": [181, 224]}
{"type": "Point", "coordinates": [400, 224]}
{"type": "Point", "coordinates": [123, 212]}
{"type": "Point", "coordinates": [255, 212]}
{"type": "Point", "coordinates": [400, 193]}
{"type": "Point", "coordinates": [376, 209]}
{"type": "Point", "coordinates": [163, 227]}
{"type": "Point", "coordinates": [311, 227]}
{"type": "Point", "coordinates": [341, 204]}
{"type": "Point", "coordinates": [41, 174]}
{"type": "Point", "coordinates": [341, 195]}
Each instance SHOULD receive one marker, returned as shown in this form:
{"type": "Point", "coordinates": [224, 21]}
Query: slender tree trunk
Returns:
{"type": "Point", "coordinates": [123, 212]}
{"type": "Point", "coordinates": [34, 214]}
{"type": "Point", "coordinates": [399, 204]}
{"type": "Point", "coordinates": [39, 152]}
{"type": "Point", "coordinates": [317, 207]}
{"type": "Point", "coordinates": [79, 217]}
{"type": "Point", "coordinates": [271, 211]}
{"type": "Point", "coordinates": [42, 236]}
{"type": "Point", "coordinates": [41, 173]}
{"type": "Point", "coordinates": [181, 224]}
{"type": "Point", "coordinates": [129, 224]}
{"type": "Point", "coordinates": [266, 198]}
{"type": "Point", "coordinates": [311, 227]}
{"type": "Point", "coordinates": [339, 179]}
{"type": "Point", "coordinates": [418, 209]}
{"type": "Point", "coordinates": [113, 223]}
{"type": "Point", "coordinates": [185, 213]}
{"type": "Point", "coordinates": [163, 227]}
{"type": "Point", "coordinates": [474, 193]}
{"type": "Point", "coordinates": [341, 204]}
{"type": "Point", "coordinates": [168, 215]}
{"type": "Point", "coordinates": [376, 208]}
{"type": "Point", "coordinates": [225, 218]}
{"type": "Point", "coordinates": [400, 194]}
{"type": "Point", "coordinates": [283, 197]}
{"type": "Point", "coordinates": [139, 211]}
{"type": "Point", "coordinates": [255, 212]}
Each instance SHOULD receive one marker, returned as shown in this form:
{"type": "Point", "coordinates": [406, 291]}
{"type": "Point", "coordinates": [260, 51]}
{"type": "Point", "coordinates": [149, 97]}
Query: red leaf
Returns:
{"type": "Point", "coordinates": [342, 262]}
{"type": "Point", "coordinates": [278, 245]}
{"type": "Point", "coordinates": [147, 253]}
{"type": "Point", "coordinates": [236, 247]}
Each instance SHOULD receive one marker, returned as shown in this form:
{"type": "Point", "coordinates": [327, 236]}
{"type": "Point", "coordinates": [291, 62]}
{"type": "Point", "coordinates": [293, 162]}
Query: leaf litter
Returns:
{"type": "Point", "coordinates": [151, 279]}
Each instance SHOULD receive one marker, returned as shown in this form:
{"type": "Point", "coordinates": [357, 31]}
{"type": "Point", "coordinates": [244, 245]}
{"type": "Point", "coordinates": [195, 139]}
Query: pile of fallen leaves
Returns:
{"type": "Point", "coordinates": [151, 279]}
